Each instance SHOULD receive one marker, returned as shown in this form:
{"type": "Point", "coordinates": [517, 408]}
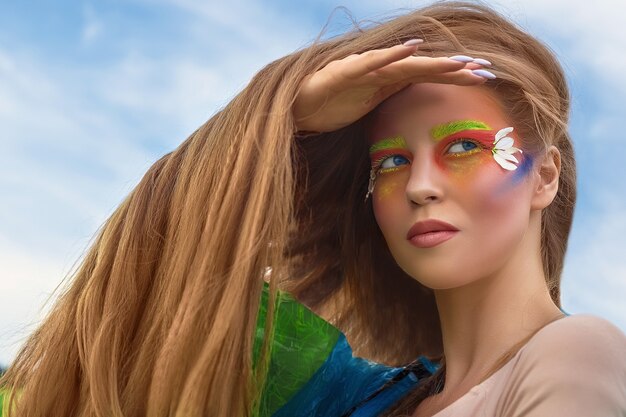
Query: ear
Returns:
{"type": "Point", "coordinates": [547, 183]}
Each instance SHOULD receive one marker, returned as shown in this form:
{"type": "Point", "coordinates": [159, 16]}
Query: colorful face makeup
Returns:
{"type": "Point", "coordinates": [386, 148]}
{"type": "Point", "coordinates": [467, 137]}
{"type": "Point", "coordinates": [456, 142]}
{"type": "Point", "coordinates": [461, 145]}
{"type": "Point", "coordinates": [451, 159]}
{"type": "Point", "coordinates": [387, 156]}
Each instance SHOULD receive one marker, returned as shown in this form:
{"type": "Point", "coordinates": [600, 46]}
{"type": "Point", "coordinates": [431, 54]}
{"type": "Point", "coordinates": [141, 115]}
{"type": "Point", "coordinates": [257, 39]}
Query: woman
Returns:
{"type": "Point", "coordinates": [160, 318]}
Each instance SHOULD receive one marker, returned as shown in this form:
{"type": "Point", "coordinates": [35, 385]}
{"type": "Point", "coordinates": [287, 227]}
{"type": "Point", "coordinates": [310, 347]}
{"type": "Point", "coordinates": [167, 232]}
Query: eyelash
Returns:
{"type": "Point", "coordinates": [379, 162]}
{"type": "Point", "coordinates": [479, 147]}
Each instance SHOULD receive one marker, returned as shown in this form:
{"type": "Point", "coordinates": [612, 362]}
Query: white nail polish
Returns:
{"type": "Point", "coordinates": [413, 42]}
{"type": "Point", "coordinates": [462, 58]}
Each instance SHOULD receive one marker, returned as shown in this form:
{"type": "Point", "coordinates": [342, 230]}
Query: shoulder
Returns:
{"type": "Point", "coordinates": [575, 364]}
{"type": "Point", "coordinates": [577, 343]}
{"type": "Point", "coordinates": [577, 336]}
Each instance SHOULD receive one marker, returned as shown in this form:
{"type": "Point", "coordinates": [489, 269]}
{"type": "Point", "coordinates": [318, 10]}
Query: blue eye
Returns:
{"type": "Point", "coordinates": [393, 161]}
{"type": "Point", "coordinates": [462, 146]}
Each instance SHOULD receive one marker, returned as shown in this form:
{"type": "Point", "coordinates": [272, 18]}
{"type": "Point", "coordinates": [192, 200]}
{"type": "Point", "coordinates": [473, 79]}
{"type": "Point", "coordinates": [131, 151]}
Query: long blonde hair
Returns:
{"type": "Point", "coordinates": [159, 318]}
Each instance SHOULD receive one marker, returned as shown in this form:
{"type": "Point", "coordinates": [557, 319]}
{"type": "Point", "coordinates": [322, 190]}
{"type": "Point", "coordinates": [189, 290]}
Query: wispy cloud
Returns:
{"type": "Point", "coordinates": [26, 287]}
{"type": "Point", "coordinates": [593, 33]}
{"type": "Point", "coordinates": [65, 166]}
{"type": "Point", "coordinates": [92, 26]}
{"type": "Point", "coordinates": [595, 269]}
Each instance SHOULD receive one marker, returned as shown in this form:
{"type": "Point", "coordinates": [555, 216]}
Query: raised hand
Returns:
{"type": "Point", "coordinates": [347, 89]}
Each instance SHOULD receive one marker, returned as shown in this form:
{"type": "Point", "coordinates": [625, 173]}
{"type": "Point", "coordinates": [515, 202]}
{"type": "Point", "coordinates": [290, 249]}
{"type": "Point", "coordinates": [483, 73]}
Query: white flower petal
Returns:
{"type": "Point", "coordinates": [504, 163]}
{"type": "Point", "coordinates": [504, 143]}
{"type": "Point", "coordinates": [513, 149]}
{"type": "Point", "coordinates": [502, 133]}
{"type": "Point", "coordinates": [507, 155]}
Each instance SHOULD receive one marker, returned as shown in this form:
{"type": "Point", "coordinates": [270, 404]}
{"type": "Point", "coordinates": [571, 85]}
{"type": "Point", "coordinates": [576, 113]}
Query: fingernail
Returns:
{"type": "Point", "coordinates": [462, 58]}
{"type": "Point", "coordinates": [481, 61]}
{"type": "Point", "coordinates": [413, 42]}
{"type": "Point", "coordinates": [484, 73]}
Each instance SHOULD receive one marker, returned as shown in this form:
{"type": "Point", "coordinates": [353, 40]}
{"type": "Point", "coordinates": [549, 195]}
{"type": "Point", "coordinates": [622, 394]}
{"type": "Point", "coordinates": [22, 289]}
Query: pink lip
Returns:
{"type": "Point", "coordinates": [429, 233]}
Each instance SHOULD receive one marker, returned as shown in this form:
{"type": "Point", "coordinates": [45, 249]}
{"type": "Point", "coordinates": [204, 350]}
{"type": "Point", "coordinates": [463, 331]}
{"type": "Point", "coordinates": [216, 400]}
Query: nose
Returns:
{"type": "Point", "coordinates": [424, 185]}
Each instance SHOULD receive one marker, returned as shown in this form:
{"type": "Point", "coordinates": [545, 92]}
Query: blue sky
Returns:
{"type": "Point", "coordinates": [93, 93]}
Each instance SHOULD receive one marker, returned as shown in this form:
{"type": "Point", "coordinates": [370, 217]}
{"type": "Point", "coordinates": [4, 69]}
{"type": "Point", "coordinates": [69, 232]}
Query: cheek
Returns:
{"type": "Point", "coordinates": [390, 186]}
{"type": "Point", "coordinates": [494, 201]}
{"type": "Point", "coordinates": [388, 198]}
{"type": "Point", "coordinates": [387, 190]}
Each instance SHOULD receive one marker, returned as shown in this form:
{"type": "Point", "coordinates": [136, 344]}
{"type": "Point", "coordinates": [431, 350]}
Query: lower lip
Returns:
{"type": "Point", "coordinates": [430, 239]}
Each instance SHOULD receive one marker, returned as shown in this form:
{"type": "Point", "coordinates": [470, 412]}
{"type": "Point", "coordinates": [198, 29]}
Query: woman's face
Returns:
{"type": "Point", "coordinates": [431, 146]}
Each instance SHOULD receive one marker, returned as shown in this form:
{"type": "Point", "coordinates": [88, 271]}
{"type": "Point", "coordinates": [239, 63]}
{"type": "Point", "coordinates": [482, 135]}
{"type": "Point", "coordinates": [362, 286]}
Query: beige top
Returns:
{"type": "Point", "coordinates": [574, 366]}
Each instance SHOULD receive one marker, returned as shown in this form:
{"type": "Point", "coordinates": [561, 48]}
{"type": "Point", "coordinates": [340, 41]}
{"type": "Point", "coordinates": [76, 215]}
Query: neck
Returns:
{"type": "Point", "coordinates": [482, 320]}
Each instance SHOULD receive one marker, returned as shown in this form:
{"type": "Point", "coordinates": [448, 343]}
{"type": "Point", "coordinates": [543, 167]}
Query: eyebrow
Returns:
{"type": "Point", "coordinates": [388, 143]}
{"type": "Point", "coordinates": [443, 130]}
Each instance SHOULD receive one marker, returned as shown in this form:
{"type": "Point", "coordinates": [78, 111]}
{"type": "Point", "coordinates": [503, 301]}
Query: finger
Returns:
{"type": "Point", "coordinates": [420, 65]}
{"type": "Point", "coordinates": [472, 66]}
{"type": "Point", "coordinates": [410, 68]}
{"type": "Point", "coordinates": [461, 77]}
{"type": "Point", "coordinates": [377, 58]}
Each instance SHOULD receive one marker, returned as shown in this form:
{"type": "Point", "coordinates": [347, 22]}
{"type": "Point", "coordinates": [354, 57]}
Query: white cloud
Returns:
{"type": "Point", "coordinates": [181, 91]}
{"type": "Point", "coordinates": [52, 143]}
{"type": "Point", "coordinates": [28, 281]}
{"type": "Point", "coordinates": [253, 25]}
{"type": "Point", "coordinates": [593, 33]}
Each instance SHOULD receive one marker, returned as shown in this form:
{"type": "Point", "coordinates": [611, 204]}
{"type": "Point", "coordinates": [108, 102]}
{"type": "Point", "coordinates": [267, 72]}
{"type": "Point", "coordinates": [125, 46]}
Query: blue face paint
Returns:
{"type": "Point", "coordinates": [520, 173]}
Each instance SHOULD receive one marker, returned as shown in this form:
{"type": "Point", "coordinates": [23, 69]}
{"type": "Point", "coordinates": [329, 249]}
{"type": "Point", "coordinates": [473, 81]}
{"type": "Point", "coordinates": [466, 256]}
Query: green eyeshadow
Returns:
{"type": "Point", "coordinates": [389, 143]}
{"type": "Point", "coordinates": [441, 131]}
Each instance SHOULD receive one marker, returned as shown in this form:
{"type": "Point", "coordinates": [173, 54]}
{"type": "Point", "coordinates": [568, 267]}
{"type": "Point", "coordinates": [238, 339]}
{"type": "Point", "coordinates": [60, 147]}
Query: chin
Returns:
{"type": "Point", "coordinates": [441, 277]}
{"type": "Point", "coordinates": [442, 283]}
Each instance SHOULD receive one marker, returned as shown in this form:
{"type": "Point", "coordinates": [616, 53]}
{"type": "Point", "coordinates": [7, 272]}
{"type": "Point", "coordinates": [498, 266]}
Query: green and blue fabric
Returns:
{"type": "Point", "coordinates": [313, 371]}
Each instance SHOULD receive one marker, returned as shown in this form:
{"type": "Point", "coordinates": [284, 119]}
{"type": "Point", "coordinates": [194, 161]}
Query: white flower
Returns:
{"type": "Point", "coordinates": [503, 149]}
